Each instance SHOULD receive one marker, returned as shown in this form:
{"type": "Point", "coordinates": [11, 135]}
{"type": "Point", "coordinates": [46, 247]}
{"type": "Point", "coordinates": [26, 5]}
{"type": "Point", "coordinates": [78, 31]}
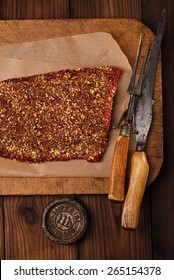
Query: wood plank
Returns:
{"type": "Point", "coordinates": [126, 32]}
{"type": "Point", "coordinates": [55, 186]}
{"type": "Point", "coordinates": [24, 237]}
{"type": "Point", "coordinates": [162, 194]}
{"type": "Point", "coordinates": [2, 247]}
{"type": "Point", "coordinates": [38, 9]}
{"type": "Point", "coordinates": [101, 231]}
{"type": "Point", "coordinates": [105, 9]}
{"type": "Point", "coordinates": [106, 239]}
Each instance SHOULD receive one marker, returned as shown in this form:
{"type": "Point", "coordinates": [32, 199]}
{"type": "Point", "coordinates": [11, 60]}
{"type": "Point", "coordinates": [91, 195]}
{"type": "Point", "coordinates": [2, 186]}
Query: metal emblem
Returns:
{"type": "Point", "coordinates": [64, 220]}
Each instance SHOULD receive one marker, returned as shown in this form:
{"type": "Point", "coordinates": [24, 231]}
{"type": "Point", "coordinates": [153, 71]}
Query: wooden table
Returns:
{"type": "Point", "coordinates": [21, 235]}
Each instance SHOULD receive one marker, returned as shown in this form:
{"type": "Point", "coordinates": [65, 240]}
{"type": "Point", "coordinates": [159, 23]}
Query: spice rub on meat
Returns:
{"type": "Point", "coordinates": [57, 116]}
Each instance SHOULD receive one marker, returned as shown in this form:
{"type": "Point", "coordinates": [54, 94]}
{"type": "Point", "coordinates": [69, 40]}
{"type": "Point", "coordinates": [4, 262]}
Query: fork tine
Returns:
{"type": "Point", "coordinates": [140, 79]}
{"type": "Point", "coordinates": [132, 80]}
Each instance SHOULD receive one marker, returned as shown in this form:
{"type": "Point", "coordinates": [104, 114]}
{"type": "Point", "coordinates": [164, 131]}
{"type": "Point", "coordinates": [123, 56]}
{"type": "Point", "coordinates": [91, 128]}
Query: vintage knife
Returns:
{"type": "Point", "coordinates": [143, 119]}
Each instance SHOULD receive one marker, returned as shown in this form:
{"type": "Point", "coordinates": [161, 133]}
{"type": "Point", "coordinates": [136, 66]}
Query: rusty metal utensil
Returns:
{"type": "Point", "coordinates": [143, 119]}
{"type": "Point", "coordinates": [119, 163]}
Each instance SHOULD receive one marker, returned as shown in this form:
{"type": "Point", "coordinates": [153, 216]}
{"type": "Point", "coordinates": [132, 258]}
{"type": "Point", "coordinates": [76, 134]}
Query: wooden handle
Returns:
{"type": "Point", "coordinates": [138, 180]}
{"type": "Point", "coordinates": [118, 170]}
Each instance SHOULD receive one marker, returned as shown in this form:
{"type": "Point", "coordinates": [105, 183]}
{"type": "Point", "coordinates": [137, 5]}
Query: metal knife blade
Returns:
{"type": "Point", "coordinates": [143, 113]}
{"type": "Point", "coordinates": [143, 118]}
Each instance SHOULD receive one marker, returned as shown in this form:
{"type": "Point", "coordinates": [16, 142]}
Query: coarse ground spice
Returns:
{"type": "Point", "coordinates": [57, 116]}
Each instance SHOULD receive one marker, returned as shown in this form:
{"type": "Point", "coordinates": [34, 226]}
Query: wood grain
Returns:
{"type": "Point", "coordinates": [37, 9]}
{"type": "Point", "coordinates": [162, 189]}
{"type": "Point", "coordinates": [120, 245]}
{"type": "Point", "coordinates": [137, 184]}
{"type": "Point", "coordinates": [117, 177]}
{"type": "Point", "coordinates": [24, 237]}
{"type": "Point", "coordinates": [2, 245]}
{"type": "Point", "coordinates": [106, 239]}
{"type": "Point", "coordinates": [105, 9]}
{"type": "Point", "coordinates": [126, 32]}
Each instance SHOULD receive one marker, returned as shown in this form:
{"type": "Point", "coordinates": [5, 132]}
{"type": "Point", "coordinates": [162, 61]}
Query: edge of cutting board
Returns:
{"type": "Point", "coordinates": [126, 32]}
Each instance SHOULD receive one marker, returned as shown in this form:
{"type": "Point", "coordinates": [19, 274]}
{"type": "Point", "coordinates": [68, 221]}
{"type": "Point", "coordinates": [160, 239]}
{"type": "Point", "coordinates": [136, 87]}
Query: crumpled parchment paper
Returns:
{"type": "Point", "coordinates": [86, 50]}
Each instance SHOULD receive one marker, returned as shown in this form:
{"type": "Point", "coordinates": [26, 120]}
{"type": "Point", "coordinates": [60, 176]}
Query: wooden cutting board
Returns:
{"type": "Point", "coordinates": [126, 32]}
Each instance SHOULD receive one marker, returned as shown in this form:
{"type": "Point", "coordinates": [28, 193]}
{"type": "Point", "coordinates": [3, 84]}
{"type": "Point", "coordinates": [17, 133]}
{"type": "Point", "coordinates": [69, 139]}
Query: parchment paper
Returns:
{"type": "Point", "coordinates": [87, 50]}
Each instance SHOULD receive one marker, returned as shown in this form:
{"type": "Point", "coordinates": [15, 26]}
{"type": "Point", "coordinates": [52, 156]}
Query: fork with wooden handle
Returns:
{"type": "Point", "coordinates": [119, 163]}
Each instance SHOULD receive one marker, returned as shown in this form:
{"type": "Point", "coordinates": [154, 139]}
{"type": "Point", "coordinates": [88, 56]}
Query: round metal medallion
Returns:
{"type": "Point", "coordinates": [64, 220]}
